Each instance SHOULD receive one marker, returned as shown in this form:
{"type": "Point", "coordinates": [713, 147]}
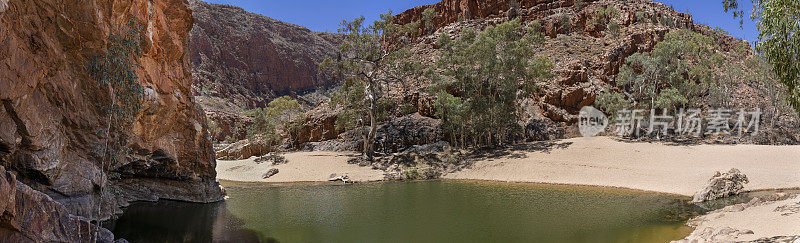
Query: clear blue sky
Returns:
{"type": "Point", "coordinates": [325, 15]}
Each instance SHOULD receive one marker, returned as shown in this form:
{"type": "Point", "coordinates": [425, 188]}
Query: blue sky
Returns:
{"type": "Point", "coordinates": [325, 15]}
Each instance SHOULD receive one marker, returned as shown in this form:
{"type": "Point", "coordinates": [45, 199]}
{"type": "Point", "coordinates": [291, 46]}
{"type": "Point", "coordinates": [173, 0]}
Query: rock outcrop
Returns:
{"type": "Point", "coordinates": [28, 215]}
{"type": "Point", "coordinates": [242, 60]}
{"type": "Point", "coordinates": [772, 218]}
{"type": "Point", "coordinates": [243, 149]}
{"type": "Point", "coordinates": [586, 56]}
{"type": "Point", "coordinates": [51, 111]}
{"type": "Point", "coordinates": [317, 125]}
{"type": "Point", "coordinates": [722, 185]}
{"type": "Point", "coordinates": [588, 49]}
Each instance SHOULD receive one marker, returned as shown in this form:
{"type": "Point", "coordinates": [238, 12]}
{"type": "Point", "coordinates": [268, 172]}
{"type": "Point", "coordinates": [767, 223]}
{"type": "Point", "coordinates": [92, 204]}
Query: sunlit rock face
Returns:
{"type": "Point", "coordinates": [241, 60]}
{"type": "Point", "coordinates": [50, 115]}
{"type": "Point", "coordinates": [586, 56]}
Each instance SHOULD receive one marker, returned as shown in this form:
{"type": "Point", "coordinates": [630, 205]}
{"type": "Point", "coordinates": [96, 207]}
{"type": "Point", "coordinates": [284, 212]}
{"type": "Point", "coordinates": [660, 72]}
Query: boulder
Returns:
{"type": "Point", "coordinates": [317, 125]}
{"type": "Point", "coordinates": [270, 173]}
{"type": "Point", "coordinates": [722, 185]}
{"type": "Point", "coordinates": [243, 149]}
{"type": "Point", "coordinates": [403, 132]}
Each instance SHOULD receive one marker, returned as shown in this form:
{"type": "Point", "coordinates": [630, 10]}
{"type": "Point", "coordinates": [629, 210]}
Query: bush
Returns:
{"type": "Point", "coordinates": [481, 74]}
{"type": "Point", "coordinates": [278, 112]}
{"type": "Point", "coordinates": [679, 70]}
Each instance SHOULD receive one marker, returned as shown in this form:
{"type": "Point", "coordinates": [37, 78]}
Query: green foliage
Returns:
{"type": "Point", "coordinates": [611, 102]}
{"type": "Point", "coordinates": [579, 4]}
{"type": "Point", "coordinates": [371, 60]}
{"type": "Point", "coordinates": [485, 74]}
{"type": "Point", "coordinates": [116, 70]}
{"type": "Point", "coordinates": [278, 112]}
{"type": "Point", "coordinates": [642, 16]}
{"type": "Point", "coordinates": [721, 31]}
{"type": "Point", "coordinates": [563, 22]}
{"type": "Point", "coordinates": [602, 16]}
{"type": "Point", "coordinates": [614, 28]}
{"type": "Point", "coordinates": [427, 19]}
{"type": "Point", "coordinates": [214, 129]}
{"type": "Point", "coordinates": [779, 39]}
{"type": "Point", "coordinates": [678, 71]}
{"type": "Point", "coordinates": [666, 21]}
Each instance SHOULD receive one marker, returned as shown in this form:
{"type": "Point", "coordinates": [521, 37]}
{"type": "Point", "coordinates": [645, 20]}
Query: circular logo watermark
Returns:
{"type": "Point", "coordinates": [591, 121]}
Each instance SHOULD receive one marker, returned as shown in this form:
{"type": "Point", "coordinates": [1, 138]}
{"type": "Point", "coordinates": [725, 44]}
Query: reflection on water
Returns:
{"type": "Point", "coordinates": [438, 211]}
{"type": "Point", "coordinates": [172, 221]}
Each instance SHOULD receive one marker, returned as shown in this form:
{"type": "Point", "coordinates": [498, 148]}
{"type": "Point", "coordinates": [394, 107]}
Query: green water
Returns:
{"type": "Point", "coordinates": [436, 211]}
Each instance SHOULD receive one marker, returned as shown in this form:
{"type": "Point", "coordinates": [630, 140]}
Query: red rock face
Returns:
{"type": "Point", "coordinates": [585, 56]}
{"type": "Point", "coordinates": [317, 125]}
{"type": "Point", "coordinates": [50, 118]}
{"type": "Point", "coordinates": [250, 59]}
{"type": "Point", "coordinates": [31, 216]}
{"type": "Point", "coordinates": [242, 60]}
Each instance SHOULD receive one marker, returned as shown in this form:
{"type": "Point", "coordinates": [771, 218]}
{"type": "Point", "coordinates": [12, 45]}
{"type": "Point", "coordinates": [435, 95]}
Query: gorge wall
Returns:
{"type": "Point", "coordinates": [242, 60]}
{"type": "Point", "coordinates": [587, 55]}
{"type": "Point", "coordinates": [49, 120]}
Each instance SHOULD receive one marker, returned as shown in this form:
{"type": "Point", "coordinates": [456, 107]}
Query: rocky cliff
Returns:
{"type": "Point", "coordinates": [50, 115]}
{"type": "Point", "coordinates": [586, 50]}
{"type": "Point", "coordinates": [588, 47]}
{"type": "Point", "coordinates": [242, 60]}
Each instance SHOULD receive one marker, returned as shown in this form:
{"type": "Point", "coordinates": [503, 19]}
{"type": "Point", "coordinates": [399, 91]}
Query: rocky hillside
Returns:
{"type": "Point", "coordinates": [51, 115]}
{"type": "Point", "coordinates": [242, 60]}
{"type": "Point", "coordinates": [588, 46]}
{"type": "Point", "coordinates": [586, 55]}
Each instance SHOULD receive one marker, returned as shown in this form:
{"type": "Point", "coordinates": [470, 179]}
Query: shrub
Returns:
{"type": "Point", "coordinates": [482, 74]}
{"type": "Point", "coordinates": [678, 71]}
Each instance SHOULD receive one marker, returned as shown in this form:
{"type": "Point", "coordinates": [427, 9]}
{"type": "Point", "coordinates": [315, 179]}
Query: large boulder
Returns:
{"type": "Point", "coordinates": [316, 125]}
{"type": "Point", "coordinates": [722, 185]}
{"type": "Point", "coordinates": [243, 149]}
{"type": "Point", "coordinates": [404, 132]}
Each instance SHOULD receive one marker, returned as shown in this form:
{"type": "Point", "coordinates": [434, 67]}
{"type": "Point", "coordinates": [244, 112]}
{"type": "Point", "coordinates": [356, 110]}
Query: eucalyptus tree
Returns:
{"type": "Point", "coordinates": [679, 71]}
{"type": "Point", "coordinates": [779, 39]}
{"type": "Point", "coordinates": [371, 60]}
{"type": "Point", "coordinates": [481, 78]}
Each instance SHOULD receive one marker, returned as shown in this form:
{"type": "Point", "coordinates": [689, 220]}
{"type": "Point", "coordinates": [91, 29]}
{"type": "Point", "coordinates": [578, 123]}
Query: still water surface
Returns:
{"type": "Point", "coordinates": [434, 211]}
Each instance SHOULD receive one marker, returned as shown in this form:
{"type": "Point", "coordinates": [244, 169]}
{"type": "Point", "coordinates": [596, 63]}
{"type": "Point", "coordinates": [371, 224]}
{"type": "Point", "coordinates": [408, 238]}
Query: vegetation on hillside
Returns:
{"type": "Point", "coordinates": [677, 72]}
{"type": "Point", "coordinates": [482, 77]}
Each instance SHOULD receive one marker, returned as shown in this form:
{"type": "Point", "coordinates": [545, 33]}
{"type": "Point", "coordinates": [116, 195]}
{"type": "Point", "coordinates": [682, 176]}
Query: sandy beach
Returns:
{"type": "Point", "coordinates": [749, 222]}
{"type": "Point", "coordinates": [301, 167]}
{"type": "Point", "coordinates": [598, 161]}
{"type": "Point", "coordinates": [603, 161]}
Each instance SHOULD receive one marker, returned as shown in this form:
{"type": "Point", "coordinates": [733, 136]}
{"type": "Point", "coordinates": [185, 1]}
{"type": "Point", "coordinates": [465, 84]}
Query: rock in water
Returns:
{"type": "Point", "coordinates": [722, 185]}
{"type": "Point", "coordinates": [270, 173]}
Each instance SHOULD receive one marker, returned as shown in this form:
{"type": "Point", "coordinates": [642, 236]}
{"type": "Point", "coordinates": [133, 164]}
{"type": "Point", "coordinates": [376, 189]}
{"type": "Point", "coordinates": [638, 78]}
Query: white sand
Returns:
{"type": "Point", "coordinates": [732, 224]}
{"type": "Point", "coordinates": [604, 161]}
{"type": "Point", "coordinates": [301, 167]}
